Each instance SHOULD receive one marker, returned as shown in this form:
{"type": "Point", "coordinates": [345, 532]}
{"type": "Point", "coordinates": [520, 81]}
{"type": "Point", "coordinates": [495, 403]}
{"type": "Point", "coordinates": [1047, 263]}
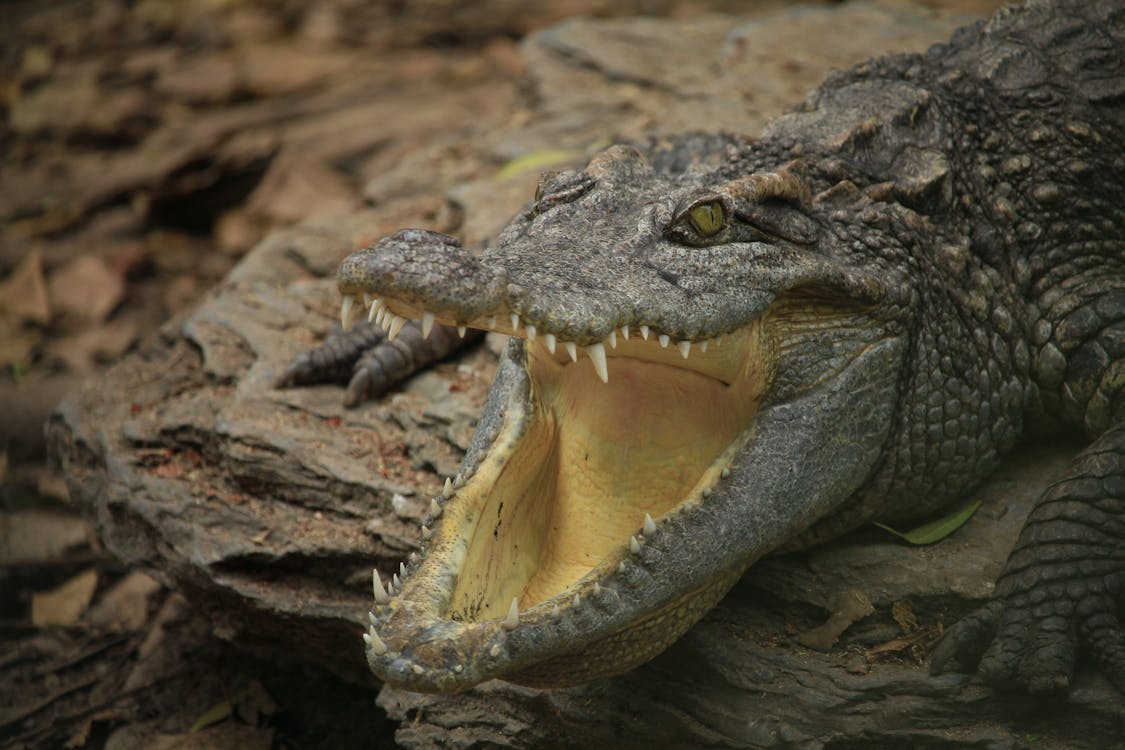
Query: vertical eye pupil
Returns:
{"type": "Point", "coordinates": [707, 218]}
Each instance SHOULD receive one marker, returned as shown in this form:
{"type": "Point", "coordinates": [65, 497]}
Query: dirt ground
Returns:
{"type": "Point", "coordinates": [145, 147]}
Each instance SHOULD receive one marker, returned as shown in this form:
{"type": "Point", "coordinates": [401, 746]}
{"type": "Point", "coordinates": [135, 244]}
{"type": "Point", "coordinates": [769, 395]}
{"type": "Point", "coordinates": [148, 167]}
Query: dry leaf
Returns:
{"type": "Point", "coordinates": [125, 606]}
{"type": "Point", "coordinates": [86, 287]}
{"type": "Point", "coordinates": [23, 295]}
{"type": "Point", "coordinates": [66, 604]}
{"type": "Point", "coordinates": [38, 536]}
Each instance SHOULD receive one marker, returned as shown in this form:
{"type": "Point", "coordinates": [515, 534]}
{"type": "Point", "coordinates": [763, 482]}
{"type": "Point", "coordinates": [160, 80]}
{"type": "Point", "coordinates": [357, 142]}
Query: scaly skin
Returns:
{"type": "Point", "coordinates": [849, 319]}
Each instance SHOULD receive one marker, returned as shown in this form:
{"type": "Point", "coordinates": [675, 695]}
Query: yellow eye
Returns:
{"type": "Point", "coordinates": [707, 218]}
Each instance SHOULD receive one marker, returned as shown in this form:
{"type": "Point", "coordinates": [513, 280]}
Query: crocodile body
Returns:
{"type": "Point", "coordinates": [724, 348]}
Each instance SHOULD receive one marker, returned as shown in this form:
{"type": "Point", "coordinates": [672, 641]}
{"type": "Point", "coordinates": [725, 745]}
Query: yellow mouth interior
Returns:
{"type": "Point", "coordinates": [562, 491]}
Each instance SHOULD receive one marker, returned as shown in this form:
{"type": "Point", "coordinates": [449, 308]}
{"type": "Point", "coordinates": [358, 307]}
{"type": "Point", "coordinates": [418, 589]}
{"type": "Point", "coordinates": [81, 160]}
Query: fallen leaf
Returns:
{"type": "Point", "coordinates": [102, 343]}
{"type": "Point", "coordinates": [125, 606]}
{"type": "Point", "coordinates": [935, 531]}
{"type": "Point", "coordinates": [849, 607]}
{"type": "Point", "coordinates": [36, 536]}
{"type": "Point", "coordinates": [297, 187]}
{"type": "Point", "coordinates": [86, 287]}
{"type": "Point", "coordinates": [23, 295]}
{"type": "Point", "coordinates": [65, 604]}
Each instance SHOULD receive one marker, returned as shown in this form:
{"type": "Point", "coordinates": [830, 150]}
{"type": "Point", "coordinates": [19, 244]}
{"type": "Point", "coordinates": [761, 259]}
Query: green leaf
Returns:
{"type": "Point", "coordinates": [537, 160]}
{"type": "Point", "coordinates": [215, 714]}
{"type": "Point", "coordinates": [935, 531]}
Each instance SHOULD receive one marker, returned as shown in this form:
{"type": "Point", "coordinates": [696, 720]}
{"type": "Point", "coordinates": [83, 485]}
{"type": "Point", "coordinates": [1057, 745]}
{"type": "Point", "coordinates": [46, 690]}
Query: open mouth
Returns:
{"type": "Point", "coordinates": [605, 444]}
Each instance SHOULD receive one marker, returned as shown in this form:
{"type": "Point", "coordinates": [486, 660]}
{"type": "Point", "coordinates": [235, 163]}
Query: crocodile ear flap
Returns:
{"type": "Point", "coordinates": [775, 202]}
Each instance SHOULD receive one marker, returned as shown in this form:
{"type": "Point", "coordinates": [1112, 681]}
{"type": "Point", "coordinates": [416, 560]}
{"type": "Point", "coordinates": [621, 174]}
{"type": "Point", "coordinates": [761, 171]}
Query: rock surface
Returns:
{"type": "Point", "coordinates": [269, 508]}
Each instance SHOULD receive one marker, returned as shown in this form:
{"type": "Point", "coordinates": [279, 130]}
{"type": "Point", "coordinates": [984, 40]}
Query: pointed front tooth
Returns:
{"type": "Point", "coordinates": [435, 506]}
{"type": "Point", "coordinates": [373, 309]}
{"type": "Point", "coordinates": [704, 344]}
{"type": "Point", "coordinates": [530, 332]}
{"type": "Point", "coordinates": [625, 332]}
{"type": "Point", "coordinates": [644, 332]}
{"type": "Point", "coordinates": [612, 339]}
{"type": "Point", "coordinates": [685, 348]}
{"type": "Point", "coordinates": [664, 340]}
{"type": "Point", "coordinates": [650, 525]}
{"type": "Point", "coordinates": [381, 596]}
{"type": "Point", "coordinates": [446, 492]}
{"type": "Point", "coordinates": [395, 327]}
{"type": "Point", "coordinates": [347, 312]}
{"type": "Point", "coordinates": [397, 582]}
{"type": "Point", "coordinates": [597, 356]}
{"type": "Point", "coordinates": [512, 621]}
{"type": "Point", "coordinates": [381, 317]}
{"type": "Point", "coordinates": [427, 533]}
{"type": "Point", "coordinates": [572, 350]}
{"type": "Point", "coordinates": [549, 340]}
{"type": "Point", "coordinates": [427, 324]}
{"type": "Point", "coordinates": [461, 331]}
{"type": "Point", "coordinates": [402, 569]}
{"type": "Point", "coordinates": [515, 323]}
{"type": "Point", "coordinates": [377, 646]}
{"type": "Point", "coordinates": [634, 545]}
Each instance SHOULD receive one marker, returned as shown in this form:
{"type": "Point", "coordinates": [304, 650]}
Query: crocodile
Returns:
{"type": "Point", "coordinates": [723, 348]}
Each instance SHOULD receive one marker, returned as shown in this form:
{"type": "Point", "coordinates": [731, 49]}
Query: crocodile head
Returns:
{"type": "Point", "coordinates": [687, 345]}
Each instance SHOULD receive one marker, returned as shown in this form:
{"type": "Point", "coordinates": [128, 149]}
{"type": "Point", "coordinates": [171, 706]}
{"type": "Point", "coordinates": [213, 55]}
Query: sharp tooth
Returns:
{"type": "Point", "coordinates": [426, 533]}
{"type": "Point", "coordinates": [446, 492]}
{"type": "Point", "coordinates": [494, 651]}
{"type": "Point", "coordinates": [367, 638]}
{"type": "Point", "coordinates": [402, 569]}
{"type": "Point", "coordinates": [397, 583]}
{"type": "Point", "coordinates": [650, 526]}
{"type": "Point", "coordinates": [555, 609]}
{"type": "Point", "coordinates": [372, 619]}
{"type": "Point", "coordinates": [373, 310]}
{"type": "Point", "coordinates": [685, 348]}
{"type": "Point", "coordinates": [381, 317]}
{"type": "Point", "coordinates": [706, 492]}
{"type": "Point", "coordinates": [549, 340]}
{"type": "Point", "coordinates": [530, 332]}
{"type": "Point", "coordinates": [625, 332]}
{"type": "Point", "coordinates": [597, 588]}
{"type": "Point", "coordinates": [512, 621]}
{"type": "Point", "coordinates": [621, 567]}
{"type": "Point", "coordinates": [461, 331]}
{"type": "Point", "coordinates": [458, 482]}
{"type": "Point", "coordinates": [572, 350]}
{"type": "Point", "coordinates": [377, 646]}
{"type": "Point", "coordinates": [634, 545]}
{"type": "Point", "coordinates": [644, 332]}
{"type": "Point", "coordinates": [458, 668]}
{"type": "Point", "coordinates": [391, 587]}
{"type": "Point", "coordinates": [427, 324]}
{"type": "Point", "coordinates": [703, 344]}
{"type": "Point", "coordinates": [597, 356]}
{"type": "Point", "coordinates": [612, 339]}
{"type": "Point", "coordinates": [381, 595]}
{"type": "Point", "coordinates": [515, 323]}
{"type": "Point", "coordinates": [435, 507]}
{"type": "Point", "coordinates": [347, 312]}
{"type": "Point", "coordinates": [577, 601]}
{"type": "Point", "coordinates": [395, 327]}
{"type": "Point", "coordinates": [664, 340]}
{"type": "Point", "coordinates": [724, 473]}
{"type": "Point", "coordinates": [418, 669]}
